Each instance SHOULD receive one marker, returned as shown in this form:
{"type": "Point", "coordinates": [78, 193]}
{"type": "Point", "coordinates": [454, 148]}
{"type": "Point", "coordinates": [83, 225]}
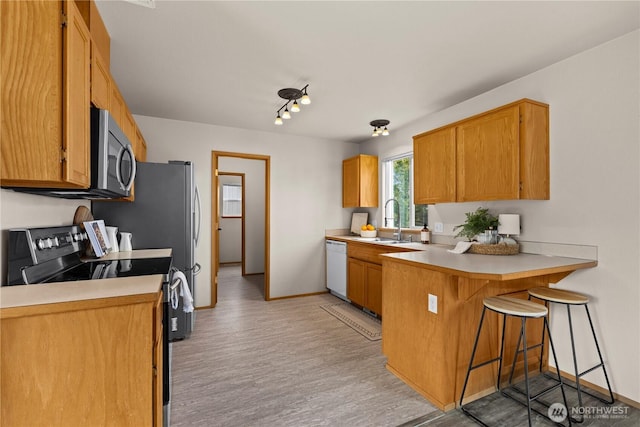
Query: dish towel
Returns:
{"type": "Point", "coordinates": [461, 247]}
{"type": "Point", "coordinates": [185, 293]}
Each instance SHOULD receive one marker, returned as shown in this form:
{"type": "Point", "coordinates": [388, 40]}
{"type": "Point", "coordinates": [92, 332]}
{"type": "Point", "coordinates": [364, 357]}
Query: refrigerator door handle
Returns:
{"type": "Point", "coordinates": [196, 269]}
{"type": "Point", "coordinates": [197, 231]}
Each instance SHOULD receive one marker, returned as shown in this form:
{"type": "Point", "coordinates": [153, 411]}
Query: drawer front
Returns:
{"type": "Point", "coordinates": [370, 252]}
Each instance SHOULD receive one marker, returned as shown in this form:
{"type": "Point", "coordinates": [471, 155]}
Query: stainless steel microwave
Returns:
{"type": "Point", "coordinates": [113, 164]}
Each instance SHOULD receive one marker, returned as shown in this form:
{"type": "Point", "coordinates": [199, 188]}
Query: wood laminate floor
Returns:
{"type": "Point", "coordinates": [289, 363]}
{"type": "Point", "coordinates": [282, 363]}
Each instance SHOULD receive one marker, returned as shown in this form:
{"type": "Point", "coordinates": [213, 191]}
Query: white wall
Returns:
{"type": "Point", "coordinates": [231, 233]}
{"type": "Point", "coordinates": [305, 198]}
{"type": "Point", "coordinates": [595, 191]}
{"type": "Point", "coordinates": [27, 210]}
{"type": "Point", "coordinates": [255, 208]}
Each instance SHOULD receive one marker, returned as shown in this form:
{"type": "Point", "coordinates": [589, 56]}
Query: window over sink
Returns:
{"type": "Point", "coordinates": [397, 183]}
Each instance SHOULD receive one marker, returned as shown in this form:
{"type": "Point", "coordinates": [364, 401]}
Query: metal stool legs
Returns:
{"type": "Point", "coordinates": [577, 373]}
{"type": "Point", "coordinates": [522, 338]}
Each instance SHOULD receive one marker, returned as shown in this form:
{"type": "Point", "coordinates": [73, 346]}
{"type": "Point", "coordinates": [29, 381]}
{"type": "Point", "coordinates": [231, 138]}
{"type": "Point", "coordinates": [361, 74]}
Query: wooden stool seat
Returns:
{"type": "Point", "coordinates": [559, 296]}
{"type": "Point", "coordinates": [515, 307]}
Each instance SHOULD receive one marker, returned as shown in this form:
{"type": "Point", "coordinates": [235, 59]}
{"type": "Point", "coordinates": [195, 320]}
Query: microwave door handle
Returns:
{"type": "Point", "coordinates": [126, 187]}
{"type": "Point", "coordinates": [134, 168]}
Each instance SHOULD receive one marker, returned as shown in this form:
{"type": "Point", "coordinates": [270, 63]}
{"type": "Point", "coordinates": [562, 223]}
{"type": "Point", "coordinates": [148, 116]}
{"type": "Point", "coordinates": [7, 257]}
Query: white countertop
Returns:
{"type": "Point", "coordinates": [493, 267]}
{"type": "Point", "coordinates": [84, 290]}
{"type": "Point", "coordinates": [80, 290]}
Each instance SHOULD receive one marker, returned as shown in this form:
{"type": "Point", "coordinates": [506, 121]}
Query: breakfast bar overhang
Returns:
{"type": "Point", "coordinates": [430, 350]}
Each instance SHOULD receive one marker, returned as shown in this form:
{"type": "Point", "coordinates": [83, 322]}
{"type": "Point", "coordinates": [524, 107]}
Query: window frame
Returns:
{"type": "Point", "coordinates": [387, 191]}
{"type": "Point", "coordinates": [224, 214]}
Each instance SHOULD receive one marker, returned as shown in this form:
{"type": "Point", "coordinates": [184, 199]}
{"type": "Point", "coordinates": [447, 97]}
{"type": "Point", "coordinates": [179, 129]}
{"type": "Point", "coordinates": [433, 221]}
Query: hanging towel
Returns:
{"type": "Point", "coordinates": [185, 293]}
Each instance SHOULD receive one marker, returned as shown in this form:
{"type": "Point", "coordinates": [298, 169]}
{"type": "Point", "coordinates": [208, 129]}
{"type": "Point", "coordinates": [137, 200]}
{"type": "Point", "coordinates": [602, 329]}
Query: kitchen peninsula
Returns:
{"type": "Point", "coordinates": [432, 302]}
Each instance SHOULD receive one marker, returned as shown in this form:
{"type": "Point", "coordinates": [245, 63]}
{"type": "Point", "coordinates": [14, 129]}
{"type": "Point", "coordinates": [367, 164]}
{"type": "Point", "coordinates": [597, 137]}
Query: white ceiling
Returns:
{"type": "Point", "coordinates": [222, 62]}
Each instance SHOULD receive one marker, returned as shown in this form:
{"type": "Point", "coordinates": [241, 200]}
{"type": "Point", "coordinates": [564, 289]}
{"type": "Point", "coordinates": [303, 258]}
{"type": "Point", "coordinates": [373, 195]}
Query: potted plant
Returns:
{"type": "Point", "coordinates": [477, 222]}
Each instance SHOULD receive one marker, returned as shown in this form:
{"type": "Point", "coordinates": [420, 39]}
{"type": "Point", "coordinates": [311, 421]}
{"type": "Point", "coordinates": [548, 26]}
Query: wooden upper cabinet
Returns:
{"type": "Point", "coordinates": [141, 147]}
{"type": "Point", "coordinates": [99, 34]}
{"type": "Point", "coordinates": [502, 154]}
{"type": "Point", "coordinates": [435, 180]}
{"type": "Point", "coordinates": [129, 128]}
{"type": "Point", "coordinates": [100, 80]}
{"type": "Point", "coordinates": [45, 95]}
{"type": "Point", "coordinates": [117, 105]}
{"type": "Point", "coordinates": [77, 98]}
{"type": "Point", "coordinates": [360, 181]}
{"type": "Point", "coordinates": [488, 157]}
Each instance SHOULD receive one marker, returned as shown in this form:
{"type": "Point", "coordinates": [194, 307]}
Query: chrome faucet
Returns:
{"type": "Point", "coordinates": [398, 233]}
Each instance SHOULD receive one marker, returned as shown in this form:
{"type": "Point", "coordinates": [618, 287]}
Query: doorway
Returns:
{"type": "Point", "coordinates": [255, 233]}
{"type": "Point", "coordinates": [232, 219]}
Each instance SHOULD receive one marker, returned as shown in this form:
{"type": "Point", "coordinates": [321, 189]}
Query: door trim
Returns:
{"type": "Point", "coordinates": [215, 238]}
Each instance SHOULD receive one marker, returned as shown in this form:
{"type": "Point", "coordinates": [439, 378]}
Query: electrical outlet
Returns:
{"type": "Point", "coordinates": [433, 304]}
{"type": "Point", "coordinates": [174, 324]}
{"type": "Point", "coordinates": [439, 227]}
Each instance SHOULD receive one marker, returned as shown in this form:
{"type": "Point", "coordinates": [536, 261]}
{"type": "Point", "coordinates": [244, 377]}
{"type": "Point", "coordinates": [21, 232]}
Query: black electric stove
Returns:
{"type": "Point", "coordinates": [53, 254]}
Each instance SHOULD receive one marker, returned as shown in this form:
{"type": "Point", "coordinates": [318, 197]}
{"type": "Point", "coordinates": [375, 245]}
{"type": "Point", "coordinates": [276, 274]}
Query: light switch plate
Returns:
{"type": "Point", "coordinates": [433, 304]}
{"type": "Point", "coordinates": [439, 227]}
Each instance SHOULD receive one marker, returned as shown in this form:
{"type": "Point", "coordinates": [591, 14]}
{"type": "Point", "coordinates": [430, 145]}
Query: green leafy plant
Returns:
{"type": "Point", "coordinates": [476, 223]}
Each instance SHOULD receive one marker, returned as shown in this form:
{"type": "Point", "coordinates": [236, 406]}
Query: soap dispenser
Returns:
{"type": "Point", "coordinates": [425, 234]}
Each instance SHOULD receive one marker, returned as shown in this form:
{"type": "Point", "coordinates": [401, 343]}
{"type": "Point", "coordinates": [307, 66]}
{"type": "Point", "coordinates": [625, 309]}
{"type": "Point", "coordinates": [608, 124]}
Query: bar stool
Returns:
{"type": "Point", "coordinates": [508, 306]}
{"type": "Point", "coordinates": [568, 298]}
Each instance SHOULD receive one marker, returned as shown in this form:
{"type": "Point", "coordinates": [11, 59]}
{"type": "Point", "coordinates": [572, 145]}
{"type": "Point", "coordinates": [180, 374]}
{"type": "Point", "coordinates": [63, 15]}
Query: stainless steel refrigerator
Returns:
{"type": "Point", "coordinates": [164, 214]}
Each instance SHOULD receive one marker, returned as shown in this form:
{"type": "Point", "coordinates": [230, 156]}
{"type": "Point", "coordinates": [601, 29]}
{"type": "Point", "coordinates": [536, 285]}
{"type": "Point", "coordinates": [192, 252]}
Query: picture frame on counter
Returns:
{"type": "Point", "coordinates": [97, 233]}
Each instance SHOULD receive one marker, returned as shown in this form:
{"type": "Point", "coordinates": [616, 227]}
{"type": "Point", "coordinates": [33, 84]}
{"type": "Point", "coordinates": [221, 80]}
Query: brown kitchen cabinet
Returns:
{"type": "Point", "coordinates": [100, 80]}
{"type": "Point", "coordinates": [45, 90]}
{"type": "Point", "coordinates": [141, 147]}
{"type": "Point", "coordinates": [360, 182]}
{"type": "Point", "coordinates": [364, 273]}
{"type": "Point", "coordinates": [84, 362]}
{"type": "Point", "coordinates": [502, 154]}
{"type": "Point", "coordinates": [434, 157]}
{"type": "Point", "coordinates": [100, 38]}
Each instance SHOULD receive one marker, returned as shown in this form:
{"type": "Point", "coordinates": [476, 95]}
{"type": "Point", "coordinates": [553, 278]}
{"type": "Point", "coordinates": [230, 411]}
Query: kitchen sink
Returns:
{"type": "Point", "coordinates": [382, 240]}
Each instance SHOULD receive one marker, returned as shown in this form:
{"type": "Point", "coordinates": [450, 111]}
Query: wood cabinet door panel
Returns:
{"type": "Point", "coordinates": [368, 181]}
{"type": "Point", "coordinates": [100, 80]}
{"type": "Point", "coordinates": [84, 367]}
{"type": "Point", "coordinates": [488, 157]}
{"type": "Point", "coordinates": [141, 147]}
{"type": "Point", "coordinates": [77, 98]}
{"type": "Point", "coordinates": [534, 151]}
{"type": "Point", "coordinates": [373, 289]}
{"type": "Point", "coordinates": [355, 281]}
{"type": "Point", "coordinates": [350, 182]}
{"type": "Point", "coordinates": [31, 91]}
{"type": "Point", "coordinates": [434, 170]}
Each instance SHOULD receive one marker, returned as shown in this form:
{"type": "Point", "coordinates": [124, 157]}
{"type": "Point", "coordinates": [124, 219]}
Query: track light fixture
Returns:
{"type": "Point", "coordinates": [291, 94]}
{"type": "Point", "coordinates": [378, 126]}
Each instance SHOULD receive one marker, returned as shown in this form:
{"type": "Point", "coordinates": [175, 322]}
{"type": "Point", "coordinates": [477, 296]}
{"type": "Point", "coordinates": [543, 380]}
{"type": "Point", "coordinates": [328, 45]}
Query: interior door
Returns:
{"type": "Point", "coordinates": [216, 238]}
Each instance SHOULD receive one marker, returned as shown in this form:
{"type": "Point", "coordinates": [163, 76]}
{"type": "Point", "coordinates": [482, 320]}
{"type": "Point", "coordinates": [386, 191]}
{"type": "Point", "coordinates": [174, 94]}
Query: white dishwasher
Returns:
{"type": "Point", "coordinates": [337, 268]}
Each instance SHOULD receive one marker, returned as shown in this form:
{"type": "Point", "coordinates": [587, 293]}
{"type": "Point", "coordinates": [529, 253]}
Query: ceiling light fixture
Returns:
{"type": "Point", "coordinates": [291, 94]}
{"type": "Point", "coordinates": [380, 127]}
